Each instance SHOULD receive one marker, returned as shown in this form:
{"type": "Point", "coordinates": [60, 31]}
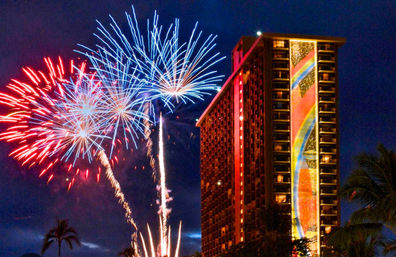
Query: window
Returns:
{"type": "Point", "coordinates": [279, 178]}
{"type": "Point", "coordinates": [278, 43]}
{"type": "Point", "coordinates": [278, 147]}
{"type": "Point", "coordinates": [280, 198]}
{"type": "Point", "coordinates": [328, 229]}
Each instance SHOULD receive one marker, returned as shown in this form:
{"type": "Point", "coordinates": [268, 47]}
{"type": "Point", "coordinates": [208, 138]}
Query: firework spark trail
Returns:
{"type": "Point", "coordinates": [118, 193]}
{"type": "Point", "coordinates": [164, 211]}
{"type": "Point", "coordinates": [149, 143]}
{"type": "Point", "coordinates": [164, 247]}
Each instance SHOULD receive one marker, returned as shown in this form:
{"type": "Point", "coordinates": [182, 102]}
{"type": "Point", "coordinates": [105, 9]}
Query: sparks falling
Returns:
{"type": "Point", "coordinates": [119, 195]}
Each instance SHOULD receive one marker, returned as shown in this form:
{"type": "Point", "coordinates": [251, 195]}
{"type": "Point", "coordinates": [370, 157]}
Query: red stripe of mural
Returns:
{"type": "Point", "coordinates": [294, 70]}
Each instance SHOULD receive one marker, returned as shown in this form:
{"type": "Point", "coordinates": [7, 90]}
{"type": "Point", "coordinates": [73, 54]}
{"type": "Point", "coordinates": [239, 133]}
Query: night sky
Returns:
{"type": "Point", "coordinates": [31, 30]}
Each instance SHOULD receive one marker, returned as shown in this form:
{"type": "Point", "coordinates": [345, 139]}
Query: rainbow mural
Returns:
{"type": "Point", "coordinates": [304, 140]}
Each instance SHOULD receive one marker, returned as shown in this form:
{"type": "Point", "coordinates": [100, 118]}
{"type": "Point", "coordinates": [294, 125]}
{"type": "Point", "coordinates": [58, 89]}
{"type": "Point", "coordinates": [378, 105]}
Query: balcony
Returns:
{"type": "Point", "coordinates": [282, 169]}
{"type": "Point", "coordinates": [327, 140]}
{"type": "Point", "coordinates": [280, 55]}
{"type": "Point", "coordinates": [326, 89]}
{"type": "Point", "coordinates": [327, 129]}
{"type": "Point", "coordinates": [327, 78]}
{"type": "Point", "coordinates": [281, 106]}
{"type": "Point", "coordinates": [328, 182]}
{"type": "Point", "coordinates": [328, 150]}
{"type": "Point", "coordinates": [328, 202]}
{"type": "Point", "coordinates": [281, 127]}
{"type": "Point", "coordinates": [280, 96]}
{"type": "Point", "coordinates": [326, 47]}
{"type": "Point", "coordinates": [281, 148]}
{"type": "Point", "coordinates": [281, 159]}
{"type": "Point", "coordinates": [327, 171]}
{"type": "Point", "coordinates": [328, 222]}
{"type": "Point", "coordinates": [328, 192]}
{"type": "Point", "coordinates": [280, 86]}
{"type": "Point", "coordinates": [280, 75]}
{"type": "Point", "coordinates": [280, 44]}
{"type": "Point", "coordinates": [326, 58]}
{"type": "Point", "coordinates": [327, 99]}
{"type": "Point", "coordinates": [282, 198]}
{"type": "Point", "coordinates": [328, 159]}
{"type": "Point", "coordinates": [329, 68]}
{"type": "Point", "coordinates": [329, 110]}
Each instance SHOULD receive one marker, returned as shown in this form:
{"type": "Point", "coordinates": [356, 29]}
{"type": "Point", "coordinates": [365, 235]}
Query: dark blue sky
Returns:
{"type": "Point", "coordinates": [31, 30]}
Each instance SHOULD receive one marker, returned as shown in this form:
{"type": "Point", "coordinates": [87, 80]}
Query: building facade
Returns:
{"type": "Point", "coordinates": [271, 135]}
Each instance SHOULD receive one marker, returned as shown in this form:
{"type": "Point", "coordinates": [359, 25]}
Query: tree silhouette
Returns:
{"type": "Point", "coordinates": [373, 184]}
{"type": "Point", "coordinates": [62, 232]}
{"type": "Point", "coordinates": [127, 252]}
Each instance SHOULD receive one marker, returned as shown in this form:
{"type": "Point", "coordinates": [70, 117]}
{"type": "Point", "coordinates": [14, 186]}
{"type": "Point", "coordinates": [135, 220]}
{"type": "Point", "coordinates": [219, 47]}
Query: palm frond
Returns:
{"type": "Point", "coordinates": [46, 245]}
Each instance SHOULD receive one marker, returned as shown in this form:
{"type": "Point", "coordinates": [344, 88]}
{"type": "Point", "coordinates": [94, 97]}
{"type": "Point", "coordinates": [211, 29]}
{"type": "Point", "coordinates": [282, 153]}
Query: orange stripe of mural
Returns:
{"type": "Point", "coordinates": [299, 65]}
{"type": "Point", "coordinates": [301, 106]}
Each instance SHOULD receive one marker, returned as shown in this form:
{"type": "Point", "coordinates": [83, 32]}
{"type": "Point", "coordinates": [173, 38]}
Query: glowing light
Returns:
{"type": "Point", "coordinates": [258, 33]}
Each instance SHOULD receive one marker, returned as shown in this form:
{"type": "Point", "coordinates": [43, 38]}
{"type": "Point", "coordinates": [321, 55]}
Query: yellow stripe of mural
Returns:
{"type": "Point", "coordinates": [303, 68]}
{"type": "Point", "coordinates": [296, 148]}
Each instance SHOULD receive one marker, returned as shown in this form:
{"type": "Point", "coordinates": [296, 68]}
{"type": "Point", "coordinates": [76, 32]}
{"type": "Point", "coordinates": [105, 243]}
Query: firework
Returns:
{"type": "Point", "coordinates": [123, 101]}
{"type": "Point", "coordinates": [164, 246]}
{"type": "Point", "coordinates": [51, 119]}
{"type": "Point", "coordinates": [59, 119]}
{"type": "Point", "coordinates": [171, 70]}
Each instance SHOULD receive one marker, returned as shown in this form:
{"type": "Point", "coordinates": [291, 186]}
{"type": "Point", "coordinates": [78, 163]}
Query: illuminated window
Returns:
{"type": "Point", "coordinates": [279, 178]}
{"type": "Point", "coordinates": [327, 47]}
{"type": "Point", "coordinates": [278, 147]}
{"type": "Point", "coordinates": [280, 198]}
{"type": "Point", "coordinates": [223, 247]}
{"type": "Point", "coordinates": [326, 158]}
{"type": "Point", "coordinates": [279, 43]}
{"type": "Point", "coordinates": [278, 55]}
{"type": "Point", "coordinates": [279, 94]}
{"type": "Point", "coordinates": [327, 229]}
{"type": "Point", "coordinates": [325, 76]}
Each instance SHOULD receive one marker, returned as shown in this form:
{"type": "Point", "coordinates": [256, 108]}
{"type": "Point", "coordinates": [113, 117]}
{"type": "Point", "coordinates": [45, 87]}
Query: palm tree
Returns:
{"type": "Point", "coordinates": [127, 252]}
{"type": "Point", "coordinates": [354, 240]}
{"type": "Point", "coordinates": [373, 184]}
{"type": "Point", "coordinates": [62, 232]}
{"type": "Point", "coordinates": [196, 254]}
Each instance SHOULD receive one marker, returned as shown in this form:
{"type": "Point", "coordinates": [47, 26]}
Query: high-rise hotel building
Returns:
{"type": "Point", "coordinates": [271, 135]}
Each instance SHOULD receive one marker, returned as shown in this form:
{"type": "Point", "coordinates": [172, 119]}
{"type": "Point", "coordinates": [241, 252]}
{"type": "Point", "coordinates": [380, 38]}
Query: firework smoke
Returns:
{"type": "Point", "coordinates": [118, 194]}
